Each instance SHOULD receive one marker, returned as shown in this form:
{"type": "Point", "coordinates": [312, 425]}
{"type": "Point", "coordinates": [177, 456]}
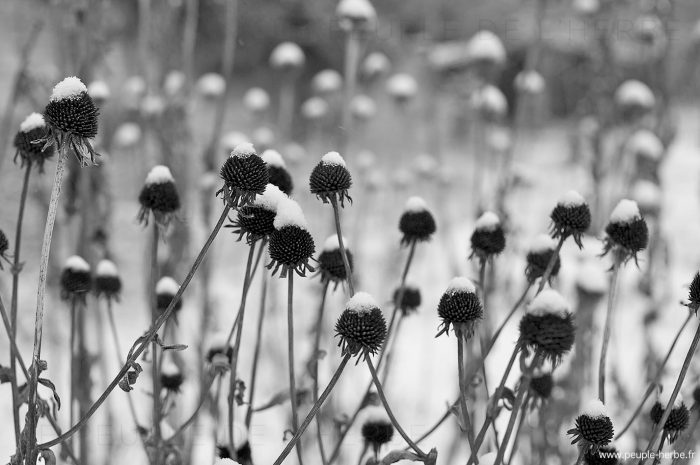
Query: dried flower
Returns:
{"type": "Point", "coordinates": [488, 238]}
{"type": "Point", "coordinates": [377, 428]}
{"type": "Point", "coordinates": [541, 386]}
{"type": "Point", "coordinates": [460, 307]}
{"type": "Point", "coordinates": [547, 328]}
{"type": "Point", "coordinates": [219, 352]}
{"type": "Point", "coordinates": [410, 299]}
{"type": "Point", "coordinates": [107, 281]}
{"type": "Point", "coordinates": [291, 245]}
{"type": "Point", "coordinates": [627, 232]}
{"type": "Point", "coordinates": [71, 117]}
{"type": "Point", "coordinates": [594, 429]}
{"type": "Point", "coordinates": [330, 262]}
{"type": "Point", "coordinates": [76, 280]}
{"type": "Point", "coordinates": [417, 223]}
{"type": "Point", "coordinates": [255, 221]}
{"type": "Point", "coordinates": [361, 327]}
{"type": "Point", "coordinates": [541, 251]}
{"type": "Point", "coordinates": [677, 420]}
{"type": "Point", "coordinates": [245, 175]}
{"type": "Point", "coordinates": [159, 196]}
{"type": "Point", "coordinates": [27, 142]}
{"type": "Point", "coordinates": [571, 217]}
{"type": "Point", "coordinates": [330, 179]}
{"type": "Point", "coordinates": [171, 378]}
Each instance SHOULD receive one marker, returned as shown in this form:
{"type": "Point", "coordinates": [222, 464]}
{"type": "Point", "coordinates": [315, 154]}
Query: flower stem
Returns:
{"type": "Point", "coordinates": [256, 352]}
{"type": "Point", "coordinates": [656, 379]}
{"type": "Point", "coordinates": [657, 458]}
{"type": "Point", "coordinates": [202, 399]}
{"type": "Point", "coordinates": [674, 394]}
{"type": "Point", "coordinates": [290, 353]}
{"type": "Point", "coordinates": [315, 355]}
{"type": "Point", "coordinates": [608, 326]}
{"type": "Point", "coordinates": [32, 415]}
{"type": "Point", "coordinates": [468, 427]}
{"type": "Point", "coordinates": [523, 416]}
{"type": "Point", "coordinates": [314, 410]}
{"type": "Point", "coordinates": [341, 244]}
{"type": "Point", "coordinates": [145, 340]}
{"type": "Point", "coordinates": [550, 266]}
{"type": "Point", "coordinates": [352, 58]}
{"type": "Point", "coordinates": [155, 371]}
{"type": "Point", "coordinates": [236, 349]}
{"type": "Point", "coordinates": [382, 396]}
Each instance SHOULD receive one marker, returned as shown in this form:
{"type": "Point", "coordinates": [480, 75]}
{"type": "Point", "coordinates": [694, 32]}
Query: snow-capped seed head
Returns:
{"type": "Point", "coordinates": [627, 232]}
{"type": "Point", "coordinates": [678, 419]}
{"type": "Point", "coordinates": [330, 261]}
{"type": "Point", "coordinates": [256, 99]}
{"type": "Point", "coordinates": [211, 85]}
{"type": "Point", "coordinates": [460, 307]}
{"type": "Point", "coordinates": [245, 175]}
{"type": "Point", "coordinates": [402, 87]}
{"type": "Point", "coordinates": [571, 217]}
{"type": "Point", "coordinates": [273, 158]}
{"type": "Point", "coordinates": [32, 129]}
{"type": "Point", "coordinates": [549, 334]}
{"type": "Point", "coordinates": [70, 87]}
{"type": "Point", "coordinates": [219, 350]}
{"type": "Point", "coordinates": [408, 298]}
{"type": "Point", "coordinates": [330, 179]}
{"type": "Point", "coordinates": [490, 102]}
{"type": "Point", "coordinates": [167, 286]}
{"type": "Point", "coordinates": [417, 222]}
{"type": "Point", "coordinates": [314, 108]}
{"type": "Point", "coordinates": [648, 196]}
{"type": "Point", "coordinates": [289, 213]}
{"type": "Point", "coordinates": [331, 243]}
{"type": "Point", "coordinates": [99, 91]}
{"type": "Point", "coordinates": [486, 46]}
{"type": "Point", "coordinates": [355, 14]}
{"type": "Point", "coordinates": [174, 83]}
{"type": "Point", "coordinates": [488, 459]}
{"type": "Point", "coordinates": [107, 280]}
{"type": "Point", "coordinates": [375, 65]}
{"type": "Point", "coordinates": [363, 107]}
{"type": "Point", "coordinates": [415, 204]}
{"type": "Point", "coordinates": [158, 175]}
{"type": "Point", "coordinates": [333, 158]}
{"type": "Point", "coordinates": [634, 97]}
{"type": "Point", "coordinates": [540, 253]}
{"type": "Point", "coordinates": [548, 301]}
{"type": "Point", "coordinates": [593, 428]}
{"type": "Point", "coordinates": [488, 238]}
{"type": "Point", "coordinates": [377, 428]}
{"type": "Point", "coordinates": [270, 198]}
{"type": "Point", "coordinates": [542, 384]}
{"type": "Point", "coordinates": [594, 408]}
{"type": "Point", "coordinates": [327, 81]}
{"type": "Point", "coordinates": [256, 221]}
{"type": "Point", "coordinates": [287, 55]}
{"type": "Point", "coordinates": [31, 122]}
{"type": "Point", "coordinates": [291, 246]}
{"type": "Point", "coordinates": [159, 195]}
{"type": "Point", "coordinates": [277, 170]}
{"type": "Point", "coordinates": [76, 280]}
{"type": "Point", "coordinates": [586, 7]}
{"type": "Point", "coordinates": [645, 144]}
{"type": "Point", "coordinates": [361, 327]}
{"type": "Point", "coordinates": [171, 377]}
{"type": "Point", "coordinates": [626, 211]}
{"type": "Point", "coordinates": [232, 139]}
{"type": "Point", "coordinates": [76, 263]}
{"type": "Point", "coordinates": [530, 82]}
{"type": "Point", "coordinates": [571, 199]}
{"type": "Point", "coordinates": [106, 268]}
{"type": "Point", "coordinates": [488, 221]}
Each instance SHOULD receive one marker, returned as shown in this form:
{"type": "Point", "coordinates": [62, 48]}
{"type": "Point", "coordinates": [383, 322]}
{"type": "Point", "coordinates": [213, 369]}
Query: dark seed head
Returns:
{"type": "Point", "coordinates": [159, 196]}
{"type": "Point", "coordinates": [71, 110]}
{"type": "Point", "coordinates": [276, 168]}
{"type": "Point", "coordinates": [166, 289]}
{"type": "Point", "coordinates": [410, 298]}
{"type": "Point", "coordinates": [538, 257]}
{"type": "Point", "coordinates": [245, 175]}
{"type": "Point", "coordinates": [361, 327]}
{"type": "Point", "coordinates": [594, 429]}
{"type": "Point", "coordinates": [256, 221]}
{"type": "Point", "coordinates": [76, 280]}
{"type": "Point", "coordinates": [377, 428]}
{"type": "Point", "coordinates": [460, 307]}
{"type": "Point", "coordinates": [488, 238]}
{"type": "Point", "coordinates": [605, 455]}
{"type": "Point", "coordinates": [330, 261]}
{"type": "Point", "coordinates": [696, 395]}
{"type": "Point", "coordinates": [542, 384]}
{"type": "Point", "coordinates": [4, 247]}
{"type": "Point", "coordinates": [291, 245]}
{"type": "Point", "coordinates": [330, 179]}
{"type": "Point", "coordinates": [694, 293]}
{"type": "Point", "coordinates": [417, 223]}
{"type": "Point", "coordinates": [171, 378]}
{"type": "Point", "coordinates": [677, 420]}
{"type": "Point", "coordinates": [548, 326]}
{"type": "Point", "coordinates": [571, 217]}
{"type": "Point", "coordinates": [107, 281]}
{"type": "Point", "coordinates": [627, 232]}
{"type": "Point", "coordinates": [28, 143]}
{"type": "Point", "coordinates": [219, 351]}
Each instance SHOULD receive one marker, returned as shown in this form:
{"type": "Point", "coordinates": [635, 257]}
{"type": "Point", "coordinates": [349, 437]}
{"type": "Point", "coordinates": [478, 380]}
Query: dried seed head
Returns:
{"type": "Point", "coordinates": [211, 85]}
{"type": "Point", "coordinates": [694, 294]}
{"type": "Point", "coordinates": [677, 420]}
{"type": "Point", "coordinates": [159, 196]}
{"type": "Point", "coordinates": [166, 289]}
{"type": "Point", "coordinates": [71, 116]}
{"type": "Point", "coordinates": [219, 351]}
{"type": "Point", "coordinates": [27, 143]}
{"type": "Point", "coordinates": [356, 15]}
{"type": "Point", "coordinates": [256, 100]}
{"type": "Point", "coordinates": [277, 170]}
{"type": "Point", "coordinates": [330, 179]}
{"type": "Point", "coordinates": [76, 280]}
{"type": "Point", "coordinates": [171, 378]}
{"type": "Point", "coordinates": [485, 46]}
{"type": "Point", "coordinates": [634, 99]}
{"type": "Point", "coordinates": [327, 81]}
{"type": "Point", "coordinates": [99, 92]}
{"type": "Point", "coordinates": [330, 262]}
{"type": "Point", "coordinates": [417, 223]}
{"type": "Point", "coordinates": [490, 103]}
{"type": "Point", "coordinates": [547, 328]}
{"type": "Point", "coordinates": [460, 307]}
{"type": "Point", "coordinates": [594, 429]}
{"type": "Point", "coordinates": [377, 428]}
{"type": "Point", "coordinates": [256, 221]}
{"type": "Point", "coordinates": [361, 327]}
{"type": "Point", "coordinates": [291, 245]}
{"type": "Point", "coordinates": [541, 385]}
{"type": "Point", "coordinates": [538, 257]}
{"type": "Point", "coordinates": [626, 233]}
{"type": "Point", "coordinates": [571, 217]}
{"type": "Point", "coordinates": [107, 280]}
{"type": "Point", "coordinates": [488, 238]}
{"type": "Point", "coordinates": [287, 56]}
{"type": "Point", "coordinates": [245, 175]}
{"type": "Point", "coordinates": [410, 299]}
{"type": "Point", "coordinates": [402, 87]}
{"type": "Point", "coordinates": [375, 65]}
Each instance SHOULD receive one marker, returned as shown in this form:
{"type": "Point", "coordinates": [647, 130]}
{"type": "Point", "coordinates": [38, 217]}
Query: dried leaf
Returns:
{"type": "Point", "coordinates": [46, 382]}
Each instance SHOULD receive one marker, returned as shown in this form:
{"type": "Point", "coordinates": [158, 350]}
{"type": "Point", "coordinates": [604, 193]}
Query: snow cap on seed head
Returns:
{"type": "Point", "coordinates": [76, 263]}
{"type": "Point", "coordinates": [542, 243]}
{"type": "Point", "coordinates": [211, 85]}
{"type": "Point", "coordinates": [375, 64]}
{"type": "Point", "coordinates": [461, 284]}
{"type": "Point", "coordinates": [327, 81]}
{"type": "Point", "coordinates": [645, 143]}
{"type": "Point", "coordinates": [314, 108]}
{"type": "Point", "coordinates": [633, 92]}
{"type": "Point", "coordinates": [402, 86]}
{"type": "Point", "coordinates": [530, 82]}
{"type": "Point", "coordinates": [333, 158]}
{"type": "Point", "coordinates": [243, 150]}
{"type": "Point", "coordinates": [289, 213]}
{"type": "Point", "coordinates": [99, 90]}
{"type": "Point", "coordinates": [107, 268]}
{"type": "Point", "coordinates": [485, 45]}
{"type": "Point", "coordinates": [33, 121]}
{"type": "Point", "coordinates": [415, 204]}
{"type": "Point", "coordinates": [167, 286]}
{"type": "Point", "coordinates": [571, 199]}
{"type": "Point", "coordinates": [270, 198]}
{"type": "Point", "coordinates": [648, 195]}
{"type": "Point", "coordinates": [70, 87]}
{"type": "Point", "coordinates": [356, 11]}
{"type": "Point", "coordinates": [287, 55]}
{"type": "Point", "coordinates": [626, 211]}
{"type": "Point", "coordinates": [159, 174]}
{"type": "Point", "coordinates": [594, 408]}
{"type": "Point", "coordinates": [332, 243]}
{"type": "Point", "coordinates": [488, 221]}
{"type": "Point", "coordinates": [548, 301]}
{"type": "Point", "coordinates": [232, 139]}
{"type": "Point", "coordinates": [273, 158]}
{"type": "Point", "coordinates": [361, 302]}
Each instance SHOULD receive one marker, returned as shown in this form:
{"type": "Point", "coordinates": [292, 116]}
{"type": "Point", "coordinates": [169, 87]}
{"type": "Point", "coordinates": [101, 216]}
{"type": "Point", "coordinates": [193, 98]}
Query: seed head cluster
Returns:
{"type": "Point", "coordinates": [677, 420]}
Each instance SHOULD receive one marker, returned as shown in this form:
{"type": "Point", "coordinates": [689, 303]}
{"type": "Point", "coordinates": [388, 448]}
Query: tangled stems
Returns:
{"type": "Point", "coordinates": [463, 388]}
{"type": "Point", "coordinates": [343, 251]}
{"type": "Point", "coordinates": [143, 342]}
{"type": "Point", "coordinates": [656, 379]}
{"type": "Point", "coordinates": [679, 382]}
{"type": "Point", "coordinates": [550, 266]}
{"type": "Point", "coordinates": [236, 346]}
{"type": "Point", "coordinates": [608, 324]}
{"type": "Point", "coordinates": [155, 372]}
{"type": "Point", "coordinates": [317, 350]}
{"type": "Point", "coordinates": [32, 451]}
{"type": "Point", "coordinates": [314, 410]}
{"type": "Point", "coordinates": [290, 353]}
{"type": "Point", "coordinates": [256, 352]}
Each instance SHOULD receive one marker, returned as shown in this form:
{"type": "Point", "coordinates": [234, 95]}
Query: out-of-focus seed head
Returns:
{"type": "Point", "coordinates": [71, 117]}
{"type": "Point", "coordinates": [548, 328]}
{"type": "Point", "coordinates": [4, 248]}
{"type": "Point", "coordinates": [159, 196]}
{"type": "Point", "coordinates": [171, 377]}
{"type": "Point", "coordinates": [402, 87]}
{"type": "Point", "coordinates": [108, 284]}
{"type": "Point", "coordinates": [330, 261]}
{"type": "Point", "coordinates": [363, 108]}
{"type": "Point", "coordinates": [634, 99]}
{"type": "Point", "coordinates": [694, 294]}
{"type": "Point", "coordinates": [488, 238]}
{"type": "Point", "coordinates": [542, 384]}
{"type": "Point", "coordinates": [677, 420]}
{"type": "Point", "coordinates": [315, 109]}
{"type": "Point", "coordinates": [356, 15]}
{"type": "Point", "coordinates": [256, 221]}
{"type": "Point", "coordinates": [245, 175]}
{"type": "Point", "coordinates": [361, 327]}
{"type": "Point", "coordinates": [538, 257]}
{"type": "Point", "coordinates": [327, 81]}
{"type": "Point", "coordinates": [76, 279]}
{"type": "Point", "coordinates": [460, 308]}
{"type": "Point", "coordinates": [219, 352]}
{"type": "Point", "coordinates": [256, 100]}
{"type": "Point", "coordinates": [331, 179]}
{"type": "Point", "coordinates": [166, 289]}
{"type": "Point", "coordinates": [287, 57]}
{"type": "Point", "coordinates": [490, 103]}
{"type": "Point", "coordinates": [377, 428]}
{"type": "Point", "coordinates": [407, 299]}
{"type": "Point", "coordinates": [417, 223]}
{"type": "Point", "coordinates": [530, 82]}
{"type": "Point", "coordinates": [594, 429]}
{"type": "Point", "coordinates": [571, 217]}
{"type": "Point", "coordinates": [211, 85]}
{"type": "Point", "coordinates": [375, 65]}
{"type": "Point", "coordinates": [28, 146]}
{"type": "Point", "coordinates": [99, 92]}
{"type": "Point", "coordinates": [626, 233]}
{"type": "Point", "coordinates": [291, 246]}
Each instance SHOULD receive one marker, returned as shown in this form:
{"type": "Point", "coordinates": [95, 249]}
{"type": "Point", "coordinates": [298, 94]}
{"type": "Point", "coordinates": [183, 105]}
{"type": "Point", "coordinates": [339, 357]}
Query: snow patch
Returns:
{"type": "Point", "coordinates": [356, 10]}
{"type": "Point", "coordinates": [33, 121]}
{"type": "Point", "coordinates": [548, 301]}
{"type": "Point", "coordinates": [270, 198]}
{"type": "Point", "coordinates": [488, 221]}
{"type": "Point", "coordinates": [287, 54]}
{"type": "Point", "coordinates": [333, 158]}
{"type": "Point", "coordinates": [626, 211]}
{"type": "Point", "coordinates": [70, 87]}
{"type": "Point", "coordinates": [107, 268]}
{"type": "Point", "coordinates": [211, 85]}
{"type": "Point", "coordinates": [485, 45]}
{"type": "Point", "coordinates": [327, 81]}
{"type": "Point", "coordinates": [595, 409]}
{"type": "Point", "coordinates": [289, 213]}
{"type": "Point", "coordinates": [243, 150]}
{"type": "Point", "coordinates": [633, 92]}
{"type": "Point", "coordinates": [332, 243]}
{"type": "Point", "coordinates": [169, 368]}
{"type": "Point", "coordinates": [571, 199]}
{"type": "Point", "coordinates": [645, 143]}
{"type": "Point", "coordinates": [99, 90]}
{"type": "Point", "coordinates": [159, 175]}
{"type": "Point", "coordinates": [76, 263]}
{"type": "Point", "coordinates": [273, 158]}
{"type": "Point", "coordinates": [542, 243]}
{"type": "Point", "coordinates": [415, 205]}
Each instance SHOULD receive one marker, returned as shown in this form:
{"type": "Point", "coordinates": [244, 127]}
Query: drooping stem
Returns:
{"type": "Point", "coordinates": [145, 340]}
{"type": "Point", "coordinates": [290, 353]}
{"type": "Point", "coordinates": [467, 423]}
{"type": "Point", "coordinates": [256, 353]}
{"type": "Point", "coordinates": [316, 357]}
{"type": "Point", "coordinates": [155, 370]}
{"type": "Point", "coordinates": [236, 349]}
{"type": "Point", "coordinates": [608, 327]}
{"type": "Point", "coordinates": [31, 452]}
{"type": "Point", "coordinates": [550, 266]}
{"type": "Point", "coordinates": [341, 244]}
{"type": "Point", "coordinates": [657, 377]}
{"type": "Point", "coordinates": [679, 382]}
{"type": "Point", "coordinates": [314, 410]}
{"type": "Point", "coordinates": [382, 396]}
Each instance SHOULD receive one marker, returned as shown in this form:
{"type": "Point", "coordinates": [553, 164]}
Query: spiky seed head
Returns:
{"type": "Point", "coordinates": [76, 279]}
{"type": "Point", "coordinates": [460, 307]}
{"type": "Point", "coordinates": [245, 175]}
{"type": "Point", "coordinates": [694, 293]}
{"type": "Point", "coordinates": [626, 232]}
{"type": "Point", "coordinates": [488, 238]}
{"type": "Point", "coordinates": [27, 142]}
{"type": "Point", "coordinates": [256, 222]}
{"type": "Point", "coordinates": [331, 179]}
{"type": "Point", "coordinates": [410, 299]}
{"type": "Point", "coordinates": [291, 246]}
{"type": "Point", "coordinates": [593, 429]}
{"type": "Point", "coordinates": [107, 280]}
{"type": "Point", "coordinates": [330, 261]}
{"type": "Point", "coordinates": [542, 384]}
{"type": "Point", "coordinates": [159, 196]}
{"type": "Point", "coordinates": [677, 420]}
{"type": "Point", "coordinates": [548, 328]}
{"type": "Point", "coordinates": [361, 327]}
{"type": "Point", "coordinates": [417, 222]}
{"type": "Point", "coordinates": [377, 428]}
{"type": "Point", "coordinates": [571, 217]}
{"type": "Point", "coordinates": [277, 170]}
{"type": "Point", "coordinates": [166, 289]}
{"type": "Point", "coordinates": [538, 256]}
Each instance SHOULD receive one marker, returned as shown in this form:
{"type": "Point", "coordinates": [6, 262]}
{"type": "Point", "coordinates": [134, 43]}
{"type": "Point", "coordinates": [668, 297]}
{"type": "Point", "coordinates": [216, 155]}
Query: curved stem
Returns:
{"type": "Point", "coordinates": [654, 383]}
{"type": "Point", "coordinates": [256, 353]}
{"type": "Point", "coordinates": [290, 353]}
{"type": "Point", "coordinates": [314, 410]}
{"type": "Point", "coordinates": [155, 370]}
{"type": "Point", "coordinates": [145, 340]}
{"type": "Point", "coordinates": [200, 404]}
{"type": "Point", "coordinates": [341, 244]}
{"type": "Point", "coordinates": [608, 327]}
{"type": "Point", "coordinates": [382, 396]}
{"type": "Point", "coordinates": [550, 266]}
{"type": "Point", "coordinates": [32, 449]}
{"type": "Point", "coordinates": [468, 427]}
{"type": "Point", "coordinates": [317, 350]}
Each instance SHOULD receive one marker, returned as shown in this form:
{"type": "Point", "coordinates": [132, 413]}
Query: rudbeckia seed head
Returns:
{"type": "Point", "coordinates": [410, 299]}
{"type": "Point", "coordinates": [28, 145]}
{"type": "Point", "coordinates": [626, 233]}
{"type": "Point", "coordinates": [330, 179]}
{"type": "Point", "coordinates": [541, 252]}
{"type": "Point", "coordinates": [488, 238]}
{"type": "Point", "coordinates": [361, 327]}
{"type": "Point", "coordinates": [416, 224]}
{"type": "Point", "coordinates": [594, 429]}
{"type": "Point", "coordinates": [460, 307]}
{"type": "Point", "coordinates": [107, 280]}
{"type": "Point", "coordinates": [159, 196]}
{"type": "Point", "coordinates": [377, 428]}
{"type": "Point", "coordinates": [245, 175]}
{"type": "Point", "coordinates": [76, 280]}
{"type": "Point", "coordinates": [547, 328]}
{"type": "Point", "coordinates": [330, 262]}
{"type": "Point", "coordinates": [571, 217]}
{"type": "Point", "coordinates": [277, 170]}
